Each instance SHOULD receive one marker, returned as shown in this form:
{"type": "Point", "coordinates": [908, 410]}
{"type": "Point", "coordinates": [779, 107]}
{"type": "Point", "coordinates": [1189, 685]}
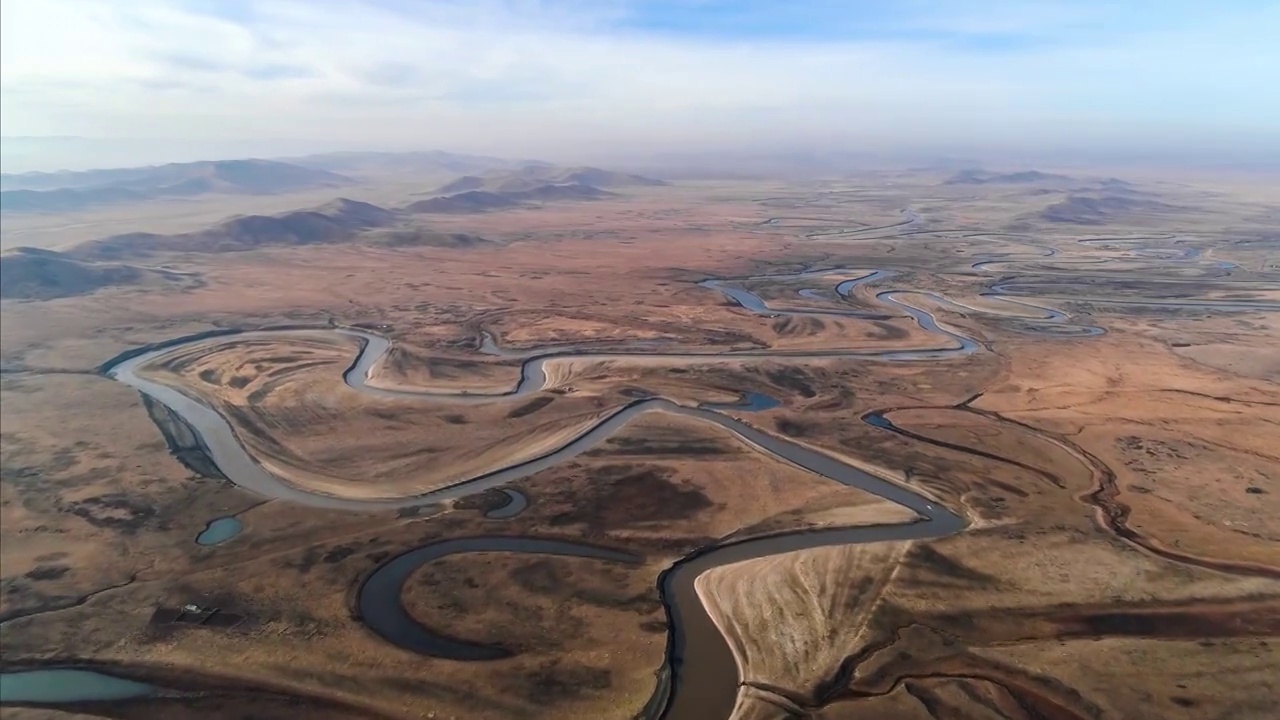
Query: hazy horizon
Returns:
{"type": "Point", "coordinates": [90, 83]}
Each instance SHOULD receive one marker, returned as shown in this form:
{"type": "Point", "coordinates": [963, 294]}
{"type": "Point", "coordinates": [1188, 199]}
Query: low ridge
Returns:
{"type": "Point", "coordinates": [332, 222]}
{"type": "Point", "coordinates": [34, 274]}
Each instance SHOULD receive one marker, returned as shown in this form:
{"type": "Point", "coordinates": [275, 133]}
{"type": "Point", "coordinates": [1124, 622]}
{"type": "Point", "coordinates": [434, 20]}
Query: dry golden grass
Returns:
{"type": "Point", "coordinates": [296, 587]}
{"type": "Point", "coordinates": [791, 618]}
{"type": "Point", "coordinates": [1121, 489]}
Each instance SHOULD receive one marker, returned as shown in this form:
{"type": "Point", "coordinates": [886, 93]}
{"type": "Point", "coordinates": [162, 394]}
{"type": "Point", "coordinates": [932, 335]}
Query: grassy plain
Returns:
{"type": "Point", "coordinates": [1121, 489]}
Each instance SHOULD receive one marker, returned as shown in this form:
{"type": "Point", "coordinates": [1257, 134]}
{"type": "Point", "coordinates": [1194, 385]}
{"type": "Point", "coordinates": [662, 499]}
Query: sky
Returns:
{"type": "Point", "coordinates": [577, 78]}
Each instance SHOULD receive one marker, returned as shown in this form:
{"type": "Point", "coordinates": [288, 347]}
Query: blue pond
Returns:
{"type": "Point", "coordinates": [220, 531]}
{"type": "Point", "coordinates": [750, 402]}
{"type": "Point", "coordinates": [62, 685]}
{"type": "Point", "coordinates": [878, 420]}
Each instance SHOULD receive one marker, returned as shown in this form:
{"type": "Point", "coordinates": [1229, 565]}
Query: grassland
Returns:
{"type": "Point", "coordinates": [1121, 489]}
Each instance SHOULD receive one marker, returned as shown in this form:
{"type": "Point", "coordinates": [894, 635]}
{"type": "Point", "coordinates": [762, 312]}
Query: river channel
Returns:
{"type": "Point", "coordinates": [699, 679]}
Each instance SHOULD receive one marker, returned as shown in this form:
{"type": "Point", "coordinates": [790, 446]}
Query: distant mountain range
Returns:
{"type": "Point", "coordinates": [41, 274]}
{"type": "Point", "coordinates": [551, 192]}
{"type": "Point", "coordinates": [519, 181]}
{"type": "Point", "coordinates": [530, 183]}
{"type": "Point", "coordinates": [336, 221]}
{"type": "Point", "coordinates": [477, 201]}
{"type": "Point", "coordinates": [975, 176]}
{"type": "Point", "coordinates": [535, 176]}
{"type": "Point", "coordinates": [471, 201]}
{"type": "Point", "coordinates": [432, 162]}
{"type": "Point", "coordinates": [71, 191]}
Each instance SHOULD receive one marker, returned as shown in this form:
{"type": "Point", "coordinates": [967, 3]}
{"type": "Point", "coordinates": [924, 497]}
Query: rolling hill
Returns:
{"type": "Point", "coordinates": [551, 192]}
{"type": "Point", "coordinates": [471, 201]}
{"type": "Point", "coordinates": [329, 223]}
{"type": "Point", "coordinates": [33, 274]}
{"type": "Point", "coordinates": [1100, 209]}
{"type": "Point", "coordinates": [594, 177]}
{"type": "Point", "coordinates": [519, 192]}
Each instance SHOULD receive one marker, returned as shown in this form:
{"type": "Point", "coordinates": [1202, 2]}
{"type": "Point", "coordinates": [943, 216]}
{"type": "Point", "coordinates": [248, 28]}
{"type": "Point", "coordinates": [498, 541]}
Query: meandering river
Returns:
{"type": "Point", "coordinates": [699, 679]}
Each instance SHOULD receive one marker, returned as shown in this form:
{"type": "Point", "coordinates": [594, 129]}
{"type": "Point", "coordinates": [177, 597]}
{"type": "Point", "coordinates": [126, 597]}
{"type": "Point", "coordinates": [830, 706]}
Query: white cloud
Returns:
{"type": "Point", "coordinates": [532, 76]}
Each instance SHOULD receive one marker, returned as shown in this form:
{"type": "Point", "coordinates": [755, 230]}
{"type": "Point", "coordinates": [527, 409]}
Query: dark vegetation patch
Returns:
{"type": "Point", "coordinates": [531, 407]}
{"type": "Point", "coordinates": [889, 331]}
{"type": "Point", "coordinates": [115, 510]}
{"type": "Point", "coordinates": [791, 378]}
{"type": "Point", "coordinates": [53, 556]}
{"type": "Point", "coordinates": [22, 598]}
{"type": "Point", "coordinates": [656, 627]}
{"type": "Point", "coordinates": [552, 578]}
{"type": "Point", "coordinates": [792, 326]}
{"type": "Point", "coordinates": [625, 495]}
{"type": "Point", "coordinates": [338, 554]}
{"type": "Point", "coordinates": [334, 555]}
{"type": "Point", "coordinates": [842, 399]}
{"type": "Point", "coordinates": [1007, 487]}
{"type": "Point", "coordinates": [486, 502]}
{"type": "Point", "coordinates": [47, 572]}
{"type": "Point", "coordinates": [211, 618]}
{"type": "Point", "coordinates": [225, 704]}
{"type": "Point", "coordinates": [556, 681]}
{"type": "Point", "coordinates": [252, 610]}
{"type": "Point", "coordinates": [182, 440]}
{"type": "Point", "coordinates": [793, 427]}
{"type": "Point", "coordinates": [455, 419]}
{"type": "Point", "coordinates": [407, 361]}
{"type": "Point", "coordinates": [924, 557]}
{"type": "Point", "coordinates": [933, 705]}
{"type": "Point", "coordinates": [658, 447]}
{"type": "Point", "coordinates": [1179, 623]}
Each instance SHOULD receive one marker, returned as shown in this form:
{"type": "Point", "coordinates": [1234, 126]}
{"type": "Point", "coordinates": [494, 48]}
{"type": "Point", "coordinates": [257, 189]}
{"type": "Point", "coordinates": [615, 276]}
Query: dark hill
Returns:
{"type": "Point", "coordinates": [517, 192]}
{"type": "Point", "coordinates": [581, 175]}
{"type": "Point", "coordinates": [333, 222]}
{"type": "Point", "coordinates": [1099, 209]}
{"type": "Point", "coordinates": [604, 178]}
{"type": "Point", "coordinates": [31, 274]}
{"type": "Point", "coordinates": [471, 201]}
{"type": "Point", "coordinates": [552, 192]}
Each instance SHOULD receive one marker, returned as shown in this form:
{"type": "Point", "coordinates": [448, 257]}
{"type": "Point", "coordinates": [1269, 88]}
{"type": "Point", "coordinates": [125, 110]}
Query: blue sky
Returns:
{"type": "Point", "coordinates": [838, 20]}
{"type": "Point", "coordinates": [545, 77]}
